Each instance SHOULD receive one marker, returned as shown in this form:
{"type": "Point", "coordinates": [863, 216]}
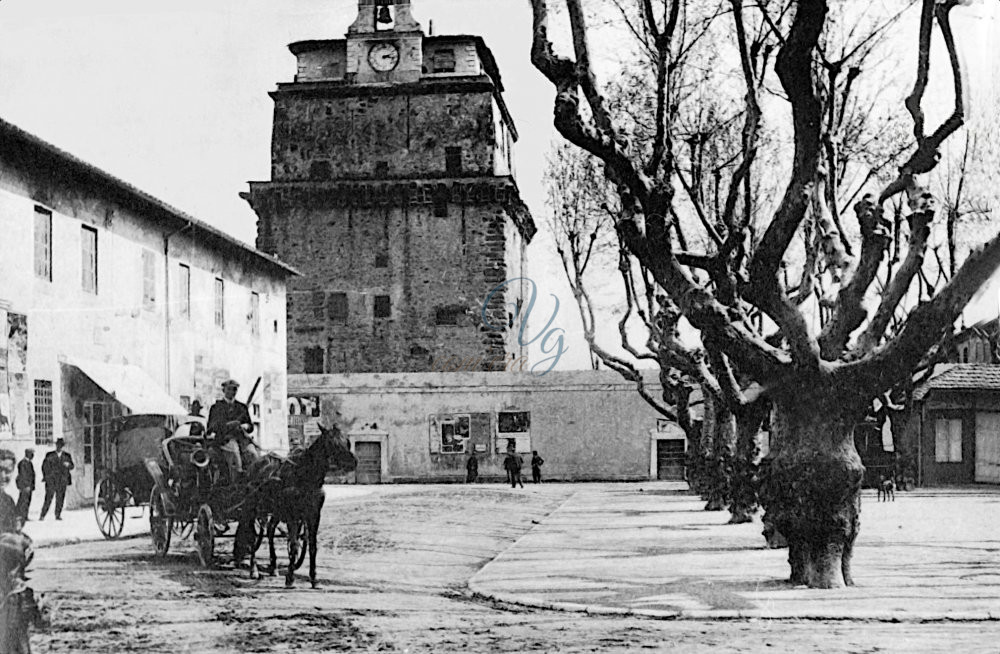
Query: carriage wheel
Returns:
{"type": "Point", "coordinates": [160, 525]}
{"type": "Point", "coordinates": [301, 536]}
{"type": "Point", "coordinates": [109, 509]}
{"type": "Point", "coordinates": [205, 536]}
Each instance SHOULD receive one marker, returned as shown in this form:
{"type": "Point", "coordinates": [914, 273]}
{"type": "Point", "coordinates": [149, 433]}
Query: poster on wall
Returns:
{"type": "Point", "coordinates": [17, 375]}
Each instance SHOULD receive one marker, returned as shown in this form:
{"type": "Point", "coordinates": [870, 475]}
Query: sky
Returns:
{"type": "Point", "coordinates": [173, 96]}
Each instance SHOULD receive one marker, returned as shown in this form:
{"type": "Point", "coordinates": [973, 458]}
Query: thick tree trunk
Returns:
{"type": "Point", "coordinates": [719, 430]}
{"type": "Point", "coordinates": [743, 478]}
{"type": "Point", "coordinates": [814, 484]}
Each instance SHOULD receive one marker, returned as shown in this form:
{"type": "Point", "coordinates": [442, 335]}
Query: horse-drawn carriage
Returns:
{"type": "Point", "coordinates": [190, 490]}
{"type": "Point", "coordinates": [124, 481]}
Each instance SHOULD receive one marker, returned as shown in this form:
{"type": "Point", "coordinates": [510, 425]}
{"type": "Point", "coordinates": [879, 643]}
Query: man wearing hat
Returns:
{"type": "Point", "coordinates": [55, 473]}
{"type": "Point", "coordinates": [25, 483]}
{"type": "Point", "coordinates": [229, 420]}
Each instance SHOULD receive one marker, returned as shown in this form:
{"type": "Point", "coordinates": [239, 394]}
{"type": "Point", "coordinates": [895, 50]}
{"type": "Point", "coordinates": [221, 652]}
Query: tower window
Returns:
{"type": "Point", "coordinates": [444, 61]}
{"type": "Point", "coordinates": [320, 170]}
{"type": "Point", "coordinates": [448, 315]}
{"type": "Point", "coordinates": [383, 307]}
{"type": "Point", "coordinates": [312, 360]}
{"type": "Point", "coordinates": [453, 161]}
{"type": "Point", "coordinates": [385, 15]}
{"type": "Point", "coordinates": [381, 168]}
{"type": "Point", "coordinates": [337, 308]}
{"type": "Point", "coordinates": [440, 208]}
{"type": "Point", "coordinates": [381, 260]}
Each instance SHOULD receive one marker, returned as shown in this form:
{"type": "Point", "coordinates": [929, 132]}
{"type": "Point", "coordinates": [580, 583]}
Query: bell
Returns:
{"type": "Point", "coordinates": [384, 16]}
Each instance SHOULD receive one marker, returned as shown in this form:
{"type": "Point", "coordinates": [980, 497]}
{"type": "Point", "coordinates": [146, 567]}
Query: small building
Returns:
{"type": "Point", "coordinates": [410, 427]}
{"type": "Point", "coordinates": [113, 302]}
{"type": "Point", "coordinates": [955, 426]}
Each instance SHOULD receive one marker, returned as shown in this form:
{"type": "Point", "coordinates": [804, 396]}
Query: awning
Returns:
{"type": "Point", "coordinates": [131, 386]}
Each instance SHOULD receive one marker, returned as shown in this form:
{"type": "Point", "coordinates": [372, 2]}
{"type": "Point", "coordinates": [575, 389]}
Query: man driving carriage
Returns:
{"type": "Point", "coordinates": [229, 421]}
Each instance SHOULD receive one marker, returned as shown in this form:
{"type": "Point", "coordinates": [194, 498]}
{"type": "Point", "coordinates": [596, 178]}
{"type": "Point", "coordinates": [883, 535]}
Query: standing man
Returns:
{"type": "Point", "coordinates": [56, 467]}
{"type": "Point", "coordinates": [536, 467]}
{"type": "Point", "coordinates": [25, 483]}
{"type": "Point", "coordinates": [229, 420]}
{"type": "Point", "coordinates": [472, 469]}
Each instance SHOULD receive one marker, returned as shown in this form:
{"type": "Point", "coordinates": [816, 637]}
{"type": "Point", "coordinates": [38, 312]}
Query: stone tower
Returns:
{"type": "Point", "coordinates": [392, 192]}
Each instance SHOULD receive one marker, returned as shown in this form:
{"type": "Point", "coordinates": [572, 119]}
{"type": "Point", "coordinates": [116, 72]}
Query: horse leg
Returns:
{"type": "Point", "coordinates": [293, 550]}
{"type": "Point", "coordinates": [314, 517]}
{"type": "Point", "coordinates": [272, 524]}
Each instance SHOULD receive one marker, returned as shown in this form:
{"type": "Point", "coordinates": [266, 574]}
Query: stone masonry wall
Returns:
{"type": "Point", "coordinates": [427, 265]}
{"type": "Point", "coordinates": [390, 136]}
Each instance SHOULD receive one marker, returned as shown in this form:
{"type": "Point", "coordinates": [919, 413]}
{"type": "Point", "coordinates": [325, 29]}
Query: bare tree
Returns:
{"type": "Point", "coordinates": [819, 383]}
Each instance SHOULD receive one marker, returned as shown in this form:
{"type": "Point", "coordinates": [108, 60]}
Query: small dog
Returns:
{"type": "Point", "coordinates": [886, 489]}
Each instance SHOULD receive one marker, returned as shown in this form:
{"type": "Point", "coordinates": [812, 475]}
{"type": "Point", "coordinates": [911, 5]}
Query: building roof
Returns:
{"type": "Point", "coordinates": [13, 137]}
{"type": "Point", "coordinates": [962, 377]}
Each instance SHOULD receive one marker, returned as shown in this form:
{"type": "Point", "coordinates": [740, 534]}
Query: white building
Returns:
{"type": "Point", "coordinates": [113, 302]}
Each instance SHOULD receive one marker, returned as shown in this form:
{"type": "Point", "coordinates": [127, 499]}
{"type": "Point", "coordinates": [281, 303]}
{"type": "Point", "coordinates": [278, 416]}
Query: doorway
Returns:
{"type": "Point", "coordinates": [670, 459]}
{"type": "Point", "coordinates": [369, 455]}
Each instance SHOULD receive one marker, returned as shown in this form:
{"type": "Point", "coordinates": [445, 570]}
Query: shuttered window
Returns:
{"type": "Point", "coordinates": [948, 440]}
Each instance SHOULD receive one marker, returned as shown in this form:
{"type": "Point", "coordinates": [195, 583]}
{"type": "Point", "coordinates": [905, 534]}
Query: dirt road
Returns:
{"type": "Point", "coordinates": [393, 567]}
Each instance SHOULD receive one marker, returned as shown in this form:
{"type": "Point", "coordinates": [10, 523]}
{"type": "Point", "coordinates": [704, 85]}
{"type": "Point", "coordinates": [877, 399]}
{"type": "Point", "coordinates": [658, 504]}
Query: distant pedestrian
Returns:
{"type": "Point", "coordinates": [56, 467]}
{"type": "Point", "coordinates": [9, 522]}
{"type": "Point", "coordinates": [472, 469]}
{"type": "Point", "coordinates": [513, 464]}
{"type": "Point", "coordinates": [536, 467]}
{"type": "Point", "coordinates": [25, 483]}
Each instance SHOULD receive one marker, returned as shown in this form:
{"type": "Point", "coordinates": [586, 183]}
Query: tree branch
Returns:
{"type": "Point", "coordinates": [892, 362]}
{"type": "Point", "coordinates": [848, 313]}
{"type": "Point", "coordinates": [900, 284]}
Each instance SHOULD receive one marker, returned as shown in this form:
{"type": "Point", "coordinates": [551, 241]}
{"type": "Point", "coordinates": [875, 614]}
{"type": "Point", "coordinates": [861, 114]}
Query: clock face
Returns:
{"type": "Point", "coordinates": [383, 57]}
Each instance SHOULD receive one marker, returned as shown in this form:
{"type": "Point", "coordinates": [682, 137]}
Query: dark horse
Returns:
{"type": "Point", "coordinates": [291, 491]}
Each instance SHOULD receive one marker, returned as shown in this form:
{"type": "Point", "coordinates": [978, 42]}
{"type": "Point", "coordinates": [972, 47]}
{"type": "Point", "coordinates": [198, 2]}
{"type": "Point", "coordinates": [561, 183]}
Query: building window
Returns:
{"type": "Point", "coordinates": [255, 314]}
{"type": "Point", "coordinates": [43, 412]}
{"type": "Point", "coordinates": [383, 307]}
{"type": "Point", "coordinates": [312, 362]}
{"type": "Point", "coordinates": [454, 432]}
{"type": "Point", "coordinates": [440, 208]}
{"type": "Point", "coordinates": [93, 421]}
{"type": "Point", "coordinates": [148, 279]}
{"type": "Point", "coordinates": [220, 303]}
{"type": "Point", "coordinates": [318, 304]}
{"type": "Point", "coordinates": [453, 161]}
{"type": "Point", "coordinates": [444, 61]}
{"type": "Point", "coordinates": [43, 244]}
{"type": "Point", "coordinates": [184, 290]}
{"type": "Point", "coordinates": [337, 308]}
{"type": "Point", "coordinates": [381, 260]}
{"type": "Point", "coordinates": [88, 252]}
{"type": "Point", "coordinates": [448, 315]}
{"type": "Point", "coordinates": [948, 440]}
{"type": "Point", "coordinates": [381, 169]}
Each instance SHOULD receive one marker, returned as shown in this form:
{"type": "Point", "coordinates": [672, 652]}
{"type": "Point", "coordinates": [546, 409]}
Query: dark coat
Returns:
{"type": "Point", "coordinates": [513, 463]}
{"type": "Point", "coordinates": [537, 461]}
{"type": "Point", "coordinates": [8, 514]}
{"type": "Point", "coordinates": [56, 467]}
{"type": "Point", "coordinates": [223, 412]}
{"type": "Point", "coordinates": [25, 475]}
